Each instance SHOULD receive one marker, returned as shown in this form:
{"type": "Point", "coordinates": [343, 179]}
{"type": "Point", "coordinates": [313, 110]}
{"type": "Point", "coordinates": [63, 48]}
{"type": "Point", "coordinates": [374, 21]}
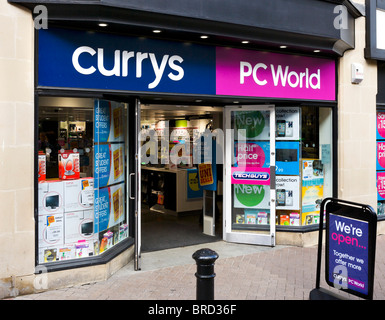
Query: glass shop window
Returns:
{"type": "Point", "coordinates": [304, 170]}
{"type": "Point", "coordinates": [380, 162]}
{"type": "Point", "coordinates": [81, 177]}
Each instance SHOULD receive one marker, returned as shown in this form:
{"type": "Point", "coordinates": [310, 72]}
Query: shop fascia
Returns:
{"type": "Point", "coordinates": [280, 75]}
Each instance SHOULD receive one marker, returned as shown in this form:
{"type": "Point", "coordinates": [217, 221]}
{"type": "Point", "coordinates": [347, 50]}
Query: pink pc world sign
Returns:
{"type": "Point", "coordinates": [265, 74]}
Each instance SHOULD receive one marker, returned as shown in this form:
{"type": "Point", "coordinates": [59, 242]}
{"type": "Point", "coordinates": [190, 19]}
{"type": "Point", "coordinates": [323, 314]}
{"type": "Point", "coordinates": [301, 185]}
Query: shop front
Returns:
{"type": "Point", "coordinates": [273, 134]}
{"type": "Point", "coordinates": [223, 115]}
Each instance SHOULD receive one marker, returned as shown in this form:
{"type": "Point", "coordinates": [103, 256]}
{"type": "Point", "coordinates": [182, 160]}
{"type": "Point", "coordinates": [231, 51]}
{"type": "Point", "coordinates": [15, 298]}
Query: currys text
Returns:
{"type": "Point", "coordinates": [122, 61]}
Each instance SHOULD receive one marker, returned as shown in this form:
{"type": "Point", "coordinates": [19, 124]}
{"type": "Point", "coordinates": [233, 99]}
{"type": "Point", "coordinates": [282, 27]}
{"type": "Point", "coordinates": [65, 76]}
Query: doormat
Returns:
{"type": "Point", "coordinates": [161, 231]}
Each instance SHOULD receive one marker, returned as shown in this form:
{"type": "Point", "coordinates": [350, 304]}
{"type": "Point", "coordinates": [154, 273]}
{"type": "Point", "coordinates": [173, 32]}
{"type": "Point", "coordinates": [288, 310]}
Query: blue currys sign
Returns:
{"type": "Point", "coordinates": [81, 59]}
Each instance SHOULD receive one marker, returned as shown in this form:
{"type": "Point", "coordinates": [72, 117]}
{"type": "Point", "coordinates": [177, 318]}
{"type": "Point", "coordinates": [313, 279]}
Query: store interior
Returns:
{"type": "Point", "coordinates": [170, 216]}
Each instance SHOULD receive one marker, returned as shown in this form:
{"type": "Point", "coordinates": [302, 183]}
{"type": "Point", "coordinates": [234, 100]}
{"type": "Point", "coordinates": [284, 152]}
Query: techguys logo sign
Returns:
{"type": "Point", "coordinates": [253, 176]}
{"type": "Point", "coordinates": [257, 176]}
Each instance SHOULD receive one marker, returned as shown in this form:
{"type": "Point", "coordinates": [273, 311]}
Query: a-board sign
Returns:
{"type": "Point", "coordinates": [350, 247]}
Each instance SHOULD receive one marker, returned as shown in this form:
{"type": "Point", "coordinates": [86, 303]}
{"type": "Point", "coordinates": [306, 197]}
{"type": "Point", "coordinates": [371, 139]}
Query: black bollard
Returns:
{"type": "Point", "coordinates": [205, 260]}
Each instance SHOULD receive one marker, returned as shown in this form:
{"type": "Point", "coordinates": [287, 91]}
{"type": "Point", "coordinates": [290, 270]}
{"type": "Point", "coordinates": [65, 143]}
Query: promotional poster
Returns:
{"type": "Point", "coordinates": [287, 120]}
{"type": "Point", "coordinates": [252, 125]}
{"type": "Point", "coordinates": [108, 121]}
{"type": "Point", "coordinates": [109, 207]}
{"type": "Point", "coordinates": [251, 196]}
{"type": "Point", "coordinates": [348, 252]}
{"type": "Point", "coordinates": [109, 164]}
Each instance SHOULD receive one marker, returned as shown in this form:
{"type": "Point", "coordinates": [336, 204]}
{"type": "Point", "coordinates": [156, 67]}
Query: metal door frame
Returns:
{"type": "Point", "coordinates": [137, 194]}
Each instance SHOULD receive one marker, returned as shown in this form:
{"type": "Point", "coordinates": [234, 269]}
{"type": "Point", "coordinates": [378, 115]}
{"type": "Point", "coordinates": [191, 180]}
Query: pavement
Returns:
{"type": "Point", "coordinates": [243, 272]}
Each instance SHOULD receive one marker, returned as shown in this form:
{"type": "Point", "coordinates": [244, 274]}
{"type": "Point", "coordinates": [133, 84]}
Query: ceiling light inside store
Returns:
{"type": "Point", "coordinates": [316, 50]}
{"type": "Point", "coordinates": [156, 31]}
{"type": "Point", "coordinates": [102, 24]}
{"type": "Point", "coordinates": [245, 42]}
{"type": "Point", "coordinates": [204, 37]}
{"type": "Point", "coordinates": [283, 47]}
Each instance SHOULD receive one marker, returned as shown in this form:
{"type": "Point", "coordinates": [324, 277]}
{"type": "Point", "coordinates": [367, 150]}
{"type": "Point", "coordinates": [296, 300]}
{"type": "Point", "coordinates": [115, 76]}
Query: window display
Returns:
{"type": "Point", "coordinates": [380, 163]}
{"type": "Point", "coordinates": [81, 178]}
{"type": "Point", "coordinates": [303, 166]}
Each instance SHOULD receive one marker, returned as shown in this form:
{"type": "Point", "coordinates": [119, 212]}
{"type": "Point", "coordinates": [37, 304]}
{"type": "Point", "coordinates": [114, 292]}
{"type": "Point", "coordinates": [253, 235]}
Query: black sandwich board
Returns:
{"type": "Point", "coordinates": [350, 248]}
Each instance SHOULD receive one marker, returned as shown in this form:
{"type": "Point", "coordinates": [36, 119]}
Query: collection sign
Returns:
{"type": "Point", "coordinates": [350, 247]}
{"type": "Point", "coordinates": [80, 59]}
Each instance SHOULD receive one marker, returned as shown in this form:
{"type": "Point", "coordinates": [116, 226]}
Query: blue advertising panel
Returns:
{"type": "Point", "coordinates": [81, 59]}
{"type": "Point", "coordinates": [102, 209]}
{"type": "Point", "coordinates": [348, 248]}
{"type": "Point", "coordinates": [209, 151]}
{"type": "Point", "coordinates": [287, 157]}
{"type": "Point", "coordinates": [109, 164]}
{"type": "Point", "coordinates": [108, 121]}
{"type": "Point", "coordinates": [193, 190]}
{"type": "Point", "coordinates": [109, 208]}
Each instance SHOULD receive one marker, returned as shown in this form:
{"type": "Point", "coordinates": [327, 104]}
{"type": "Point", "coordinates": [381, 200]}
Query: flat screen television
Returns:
{"type": "Point", "coordinates": [287, 155]}
{"type": "Point", "coordinates": [52, 201]}
{"type": "Point", "coordinates": [87, 228]}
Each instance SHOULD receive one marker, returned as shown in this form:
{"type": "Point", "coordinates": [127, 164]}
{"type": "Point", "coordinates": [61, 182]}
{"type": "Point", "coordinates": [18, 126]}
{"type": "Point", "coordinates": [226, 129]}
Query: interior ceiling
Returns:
{"type": "Point", "coordinates": [48, 113]}
{"type": "Point", "coordinates": [149, 112]}
{"type": "Point", "coordinates": [153, 113]}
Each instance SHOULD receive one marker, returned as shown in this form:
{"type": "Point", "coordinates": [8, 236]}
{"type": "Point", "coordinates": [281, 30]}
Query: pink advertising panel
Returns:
{"type": "Point", "coordinates": [254, 176]}
{"type": "Point", "coordinates": [380, 125]}
{"type": "Point", "coordinates": [380, 155]}
{"type": "Point", "coordinates": [380, 185]}
{"type": "Point", "coordinates": [265, 74]}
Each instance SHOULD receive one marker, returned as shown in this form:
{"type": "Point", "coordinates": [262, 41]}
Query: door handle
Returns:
{"type": "Point", "coordinates": [131, 197]}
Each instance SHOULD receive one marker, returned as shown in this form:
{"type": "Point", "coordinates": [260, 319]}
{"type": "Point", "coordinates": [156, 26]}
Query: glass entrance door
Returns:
{"type": "Point", "coordinates": [250, 195]}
